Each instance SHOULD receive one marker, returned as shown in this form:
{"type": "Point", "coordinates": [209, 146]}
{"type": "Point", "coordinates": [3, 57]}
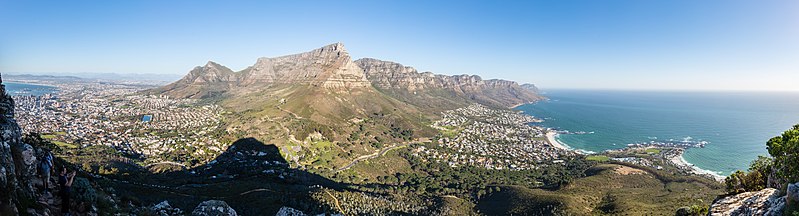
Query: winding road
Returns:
{"type": "Point", "coordinates": [373, 155]}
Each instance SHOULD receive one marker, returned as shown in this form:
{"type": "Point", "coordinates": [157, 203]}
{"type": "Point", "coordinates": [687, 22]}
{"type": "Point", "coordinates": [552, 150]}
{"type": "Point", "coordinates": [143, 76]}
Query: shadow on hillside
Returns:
{"type": "Point", "coordinates": [252, 177]}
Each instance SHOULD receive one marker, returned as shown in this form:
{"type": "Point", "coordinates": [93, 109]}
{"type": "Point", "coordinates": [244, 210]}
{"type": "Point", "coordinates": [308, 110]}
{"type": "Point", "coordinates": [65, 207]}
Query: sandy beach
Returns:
{"type": "Point", "coordinates": [517, 105]}
{"type": "Point", "coordinates": [554, 142]}
{"type": "Point", "coordinates": [680, 162]}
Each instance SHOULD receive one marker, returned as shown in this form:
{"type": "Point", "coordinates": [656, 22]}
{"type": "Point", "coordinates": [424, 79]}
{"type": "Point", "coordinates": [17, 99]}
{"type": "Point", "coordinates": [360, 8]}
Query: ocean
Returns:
{"type": "Point", "coordinates": [28, 89]}
{"type": "Point", "coordinates": [735, 125]}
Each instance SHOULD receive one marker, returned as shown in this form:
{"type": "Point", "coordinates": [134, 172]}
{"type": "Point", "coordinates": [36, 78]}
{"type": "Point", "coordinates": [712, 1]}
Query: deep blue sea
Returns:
{"type": "Point", "coordinates": [736, 124]}
{"type": "Point", "coordinates": [28, 89]}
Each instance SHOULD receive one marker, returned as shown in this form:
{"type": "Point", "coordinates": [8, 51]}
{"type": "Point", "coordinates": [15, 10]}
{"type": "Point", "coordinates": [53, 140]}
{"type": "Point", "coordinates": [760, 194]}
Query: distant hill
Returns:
{"type": "Point", "coordinates": [531, 87]}
{"type": "Point", "coordinates": [144, 79]}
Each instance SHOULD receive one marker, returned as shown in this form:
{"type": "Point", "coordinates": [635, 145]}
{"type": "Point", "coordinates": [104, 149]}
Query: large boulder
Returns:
{"type": "Point", "coordinates": [764, 202]}
{"type": "Point", "coordinates": [25, 161]}
{"type": "Point", "coordinates": [289, 211]}
{"type": "Point", "coordinates": [793, 193]}
{"type": "Point", "coordinates": [164, 209]}
{"type": "Point", "coordinates": [213, 208]}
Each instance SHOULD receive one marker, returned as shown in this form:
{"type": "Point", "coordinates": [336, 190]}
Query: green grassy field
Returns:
{"type": "Point", "coordinates": [653, 150]}
{"type": "Point", "coordinates": [598, 158]}
{"type": "Point", "coordinates": [64, 145]}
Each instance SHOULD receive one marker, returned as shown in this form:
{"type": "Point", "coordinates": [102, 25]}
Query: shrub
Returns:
{"type": "Point", "coordinates": [694, 210]}
{"type": "Point", "coordinates": [754, 180]}
{"type": "Point", "coordinates": [741, 181]}
{"type": "Point", "coordinates": [83, 191]}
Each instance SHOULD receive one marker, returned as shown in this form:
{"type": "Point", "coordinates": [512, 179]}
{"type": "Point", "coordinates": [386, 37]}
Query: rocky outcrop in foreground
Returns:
{"type": "Point", "coordinates": [213, 208]}
{"type": "Point", "coordinates": [17, 161]}
{"type": "Point", "coordinates": [764, 202]}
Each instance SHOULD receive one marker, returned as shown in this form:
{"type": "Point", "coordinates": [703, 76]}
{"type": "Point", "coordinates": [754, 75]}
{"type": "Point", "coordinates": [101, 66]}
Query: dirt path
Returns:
{"type": "Point", "coordinates": [336, 201]}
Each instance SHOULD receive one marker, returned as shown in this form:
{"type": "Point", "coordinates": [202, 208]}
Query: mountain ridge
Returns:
{"type": "Point", "coordinates": [332, 67]}
{"type": "Point", "coordinates": [410, 84]}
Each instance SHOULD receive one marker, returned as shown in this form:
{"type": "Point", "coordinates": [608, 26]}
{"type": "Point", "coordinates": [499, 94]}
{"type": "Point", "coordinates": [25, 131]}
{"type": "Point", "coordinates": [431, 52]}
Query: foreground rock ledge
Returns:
{"type": "Point", "coordinates": [213, 208]}
{"type": "Point", "coordinates": [764, 202]}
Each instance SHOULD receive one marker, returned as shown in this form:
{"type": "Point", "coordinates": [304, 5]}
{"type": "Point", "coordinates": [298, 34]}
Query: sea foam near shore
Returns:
{"type": "Point", "coordinates": [681, 162]}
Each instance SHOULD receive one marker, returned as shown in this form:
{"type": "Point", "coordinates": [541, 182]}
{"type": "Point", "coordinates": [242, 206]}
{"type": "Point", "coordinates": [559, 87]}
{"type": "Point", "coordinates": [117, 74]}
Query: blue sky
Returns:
{"type": "Point", "coordinates": [608, 44]}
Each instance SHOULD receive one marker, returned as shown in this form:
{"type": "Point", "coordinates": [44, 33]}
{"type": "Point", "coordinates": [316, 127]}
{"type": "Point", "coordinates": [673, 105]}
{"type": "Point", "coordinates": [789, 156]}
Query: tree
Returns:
{"type": "Point", "coordinates": [785, 151]}
{"type": "Point", "coordinates": [762, 164]}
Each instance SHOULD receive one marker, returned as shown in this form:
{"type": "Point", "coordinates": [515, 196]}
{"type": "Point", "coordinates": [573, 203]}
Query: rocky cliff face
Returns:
{"type": "Point", "coordinates": [764, 202]}
{"type": "Point", "coordinates": [17, 161]}
{"type": "Point", "coordinates": [330, 67]}
{"type": "Point", "coordinates": [402, 80]}
{"type": "Point", "coordinates": [531, 87]}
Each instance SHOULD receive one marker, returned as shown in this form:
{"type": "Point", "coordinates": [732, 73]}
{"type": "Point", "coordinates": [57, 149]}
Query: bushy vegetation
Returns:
{"type": "Point", "coordinates": [441, 179]}
{"type": "Point", "coordinates": [785, 150]}
{"type": "Point", "coordinates": [694, 210]}
{"type": "Point", "coordinates": [754, 180]}
{"type": "Point", "coordinates": [83, 191]}
{"type": "Point", "coordinates": [783, 165]}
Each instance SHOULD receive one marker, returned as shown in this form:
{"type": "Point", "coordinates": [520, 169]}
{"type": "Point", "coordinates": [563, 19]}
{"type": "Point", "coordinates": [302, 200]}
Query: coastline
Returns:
{"type": "Point", "coordinates": [552, 139]}
{"type": "Point", "coordinates": [32, 83]}
{"type": "Point", "coordinates": [518, 105]}
{"type": "Point", "coordinates": [679, 161]}
{"type": "Point", "coordinates": [525, 103]}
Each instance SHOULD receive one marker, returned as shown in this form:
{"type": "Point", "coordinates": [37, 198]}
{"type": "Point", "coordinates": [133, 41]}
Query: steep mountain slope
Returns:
{"type": "Point", "coordinates": [201, 82]}
{"type": "Point", "coordinates": [322, 109]}
{"type": "Point", "coordinates": [435, 91]}
{"type": "Point", "coordinates": [531, 87]}
{"type": "Point", "coordinates": [317, 106]}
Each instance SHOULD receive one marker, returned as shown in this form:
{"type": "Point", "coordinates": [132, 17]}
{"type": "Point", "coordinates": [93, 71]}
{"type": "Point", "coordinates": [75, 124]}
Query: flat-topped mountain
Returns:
{"type": "Point", "coordinates": [331, 67]}
{"type": "Point", "coordinates": [328, 67]}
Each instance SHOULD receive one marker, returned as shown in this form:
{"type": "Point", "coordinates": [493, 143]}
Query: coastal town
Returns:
{"type": "Point", "coordinates": [110, 114]}
{"type": "Point", "coordinates": [161, 128]}
{"type": "Point", "coordinates": [495, 139]}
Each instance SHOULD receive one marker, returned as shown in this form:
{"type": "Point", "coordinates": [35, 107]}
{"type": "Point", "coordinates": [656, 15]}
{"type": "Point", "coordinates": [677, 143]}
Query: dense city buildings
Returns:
{"type": "Point", "coordinates": [110, 114]}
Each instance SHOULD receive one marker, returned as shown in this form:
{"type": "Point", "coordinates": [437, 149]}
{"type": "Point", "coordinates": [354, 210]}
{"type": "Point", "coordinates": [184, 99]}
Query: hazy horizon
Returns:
{"type": "Point", "coordinates": [675, 45]}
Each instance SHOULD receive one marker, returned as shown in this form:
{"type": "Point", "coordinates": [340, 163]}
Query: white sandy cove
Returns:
{"type": "Point", "coordinates": [681, 162]}
{"type": "Point", "coordinates": [554, 142]}
{"type": "Point", "coordinates": [678, 160]}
